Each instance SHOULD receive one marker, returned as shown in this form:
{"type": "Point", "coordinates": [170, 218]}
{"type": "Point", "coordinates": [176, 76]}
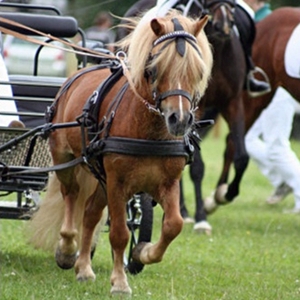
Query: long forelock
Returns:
{"type": "Point", "coordinates": [169, 64]}
{"type": "Point", "coordinates": [195, 67]}
{"type": "Point", "coordinates": [174, 68]}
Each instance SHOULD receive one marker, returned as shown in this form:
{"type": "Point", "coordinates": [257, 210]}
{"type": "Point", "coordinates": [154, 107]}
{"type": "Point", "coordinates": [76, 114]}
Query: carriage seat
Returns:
{"type": "Point", "coordinates": [36, 86]}
{"type": "Point", "coordinates": [59, 26]}
{"type": "Point", "coordinates": [32, 95]}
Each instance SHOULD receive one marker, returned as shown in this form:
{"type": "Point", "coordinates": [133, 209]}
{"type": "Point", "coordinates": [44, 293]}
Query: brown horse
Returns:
{"type": "Point", "coordinates": [270, 56]}
{"type": "Point", "coordinates": [140, 140]}
{"type": "Point", "coordinates": [272, 35]}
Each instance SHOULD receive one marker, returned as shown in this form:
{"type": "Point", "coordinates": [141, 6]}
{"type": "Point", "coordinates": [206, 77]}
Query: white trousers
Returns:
{"type": "Point", "coordinates": [5, 91]}
{"type": "Point", "coordinates": [268, 144]}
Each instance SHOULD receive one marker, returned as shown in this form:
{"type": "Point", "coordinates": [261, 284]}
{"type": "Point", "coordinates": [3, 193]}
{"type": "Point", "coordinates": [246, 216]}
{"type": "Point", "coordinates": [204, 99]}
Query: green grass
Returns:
{"type": "Point", "coordinates": [253, 252]}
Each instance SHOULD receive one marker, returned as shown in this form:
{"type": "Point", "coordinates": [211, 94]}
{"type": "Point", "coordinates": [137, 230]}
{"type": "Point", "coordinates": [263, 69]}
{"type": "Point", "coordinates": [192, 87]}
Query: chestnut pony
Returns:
{"type": "Point", "coordinates": [272, 36]}
{"type": "Point", "coordinates": [139, 144]}
{"type": "Point", "coordinates": [224, 95]}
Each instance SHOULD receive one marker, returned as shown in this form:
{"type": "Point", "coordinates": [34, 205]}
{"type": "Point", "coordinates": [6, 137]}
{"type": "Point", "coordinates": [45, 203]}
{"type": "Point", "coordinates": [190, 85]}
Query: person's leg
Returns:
{"type": "Point", "coordinates": [257, 150]}
{"type": "Point", "coordinates": [5, 91]}
{"type": "Point", "coordinates": [247, 31]}
{"type": "Point", "coordinates": [277, 126]}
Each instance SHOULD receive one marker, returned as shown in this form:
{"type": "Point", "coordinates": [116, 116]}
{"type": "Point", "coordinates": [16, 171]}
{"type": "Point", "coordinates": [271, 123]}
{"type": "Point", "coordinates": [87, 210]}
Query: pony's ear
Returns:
{"type": "Point", "coordinates": [200, 25]}
{"type": "Point", "coordinates": [157, 27]}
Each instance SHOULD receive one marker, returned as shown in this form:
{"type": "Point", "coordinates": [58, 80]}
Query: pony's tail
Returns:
{"type": "Point", "coordinates": [45, 224]}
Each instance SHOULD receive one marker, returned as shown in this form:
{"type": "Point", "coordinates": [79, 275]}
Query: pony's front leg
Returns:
{"type": "Point", "coordinates": [118, 236]}
{"type": "Point", "coordinates": [92, 216]}
{"type": "Point", "coordinates": [66, 252]}
{"type": "Point", "coordinates": [148, 253]}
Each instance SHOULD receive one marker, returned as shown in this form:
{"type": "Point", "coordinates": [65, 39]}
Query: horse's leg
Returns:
{"type": "Point", "coordinates": [148, 253]}
{"type": "Point", "coordinates": [92, 215]}
{"type": "Point", "coordinates": [66, 251]}
{"type": "Point", "coordinates": [183, 209]}
{"type": "Point", "coordinates": [197, 173]}
{"type": "Point", "coordinates": [235, 152]}
{"type": "Point", "coordinates": [118, 236]}
{"type": "Point", "coordinates": [240, 161]}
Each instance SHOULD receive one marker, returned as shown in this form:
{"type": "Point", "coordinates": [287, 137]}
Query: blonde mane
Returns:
{"type": "Point", "coordinates": [169, 64]}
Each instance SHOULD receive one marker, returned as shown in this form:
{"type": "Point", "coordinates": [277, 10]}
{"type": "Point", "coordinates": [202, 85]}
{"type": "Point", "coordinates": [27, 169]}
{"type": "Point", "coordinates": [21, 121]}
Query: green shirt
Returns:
{"type": "Point", "coordinates": [262, 12]}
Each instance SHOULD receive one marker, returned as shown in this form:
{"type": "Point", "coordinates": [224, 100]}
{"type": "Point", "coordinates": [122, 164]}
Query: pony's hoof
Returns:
{"type": "Point", "coordinates": [220, 193]}
{"type": "Point", "coordinates": [121, 292]}
{"type": "Point", "coordinates": [140, 253]}
{"type": "Point", "coordinates": [210, 204]}
{"type": "Point", "coordinates": [84, 272]}
{"type": "Point", "coordinates": [203, 227]}
{"type": "Point", "coordinates": [136, 252]}
{"type": "Point", "coordinates": [65, 261]}
{"type": "Point", "coordinates": [82, 278]}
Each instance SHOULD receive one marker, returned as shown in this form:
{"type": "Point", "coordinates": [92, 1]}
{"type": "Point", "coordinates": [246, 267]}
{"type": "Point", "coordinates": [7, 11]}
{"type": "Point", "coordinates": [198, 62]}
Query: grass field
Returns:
{"type": "Point", "coordinates": [253, 252]}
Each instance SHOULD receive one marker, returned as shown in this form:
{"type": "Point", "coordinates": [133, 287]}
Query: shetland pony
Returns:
{"type": "Point", "coordinates": [224, 95]}
{"type": "Point", "coordinates": [139, 143]}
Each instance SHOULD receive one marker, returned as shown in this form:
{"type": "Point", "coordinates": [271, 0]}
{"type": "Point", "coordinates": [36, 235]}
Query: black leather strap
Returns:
{"type": "Point", "coordinates": [141, 147]}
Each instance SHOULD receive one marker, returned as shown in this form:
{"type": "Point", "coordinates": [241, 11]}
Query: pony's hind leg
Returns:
{"type": "Point", "coordinates": [66, 252]}
{"type": "Point", "coordinates": [92, 215]}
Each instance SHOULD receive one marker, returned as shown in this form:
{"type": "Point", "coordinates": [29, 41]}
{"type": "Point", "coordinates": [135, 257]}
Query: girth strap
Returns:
{"type": "Point", "coordinates": [140, 147]}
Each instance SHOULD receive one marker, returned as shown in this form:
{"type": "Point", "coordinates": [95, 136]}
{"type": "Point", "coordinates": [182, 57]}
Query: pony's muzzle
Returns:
{"type": "Point", "coordinates": [179, 123]}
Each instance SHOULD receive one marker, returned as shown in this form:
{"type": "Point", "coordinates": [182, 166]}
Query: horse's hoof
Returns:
{"type": "Point", "coordinates": [210, 204]}
{"type": "Point", "coordinates": [140, 253]}
{"type": "Point", "coordinates": [82, 278]}
{"type": "Point", "coordinates": [136, 252]}
{"type": "Point", "coordinates": [188, 220]}
{"type": "Point", "coordinates": [203, 227]}
{"type": "Point", "coordinates": [121, 292]}
{"type": "Point", "coordinates": [65, 261]}
{"type": "Point", "coordinates": [220, 193]}
{"type": "Point", "coordinates": [84, 272]}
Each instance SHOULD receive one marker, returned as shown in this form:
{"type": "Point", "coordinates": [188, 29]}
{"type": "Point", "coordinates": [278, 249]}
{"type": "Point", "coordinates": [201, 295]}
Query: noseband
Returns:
{"type": "Point", "coordinates": [180, 37]}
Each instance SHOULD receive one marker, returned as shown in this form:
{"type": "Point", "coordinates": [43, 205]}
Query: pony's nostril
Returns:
{"type": "Point", "coordinates": [173, 119]}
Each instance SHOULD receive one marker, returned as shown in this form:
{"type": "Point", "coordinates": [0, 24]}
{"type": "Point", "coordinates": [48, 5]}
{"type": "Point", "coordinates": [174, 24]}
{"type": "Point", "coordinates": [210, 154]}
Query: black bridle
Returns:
{"type": "Point", "coordinates": [180, 37]}
{"type": "Point", "coordinates": [206, 7]}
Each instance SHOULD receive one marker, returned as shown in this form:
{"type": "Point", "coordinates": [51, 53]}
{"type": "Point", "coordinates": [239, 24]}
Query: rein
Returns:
{"type": "Point", "coordinates": [120, 56]}
{"type": "Point", "coordinates": [80, 51]}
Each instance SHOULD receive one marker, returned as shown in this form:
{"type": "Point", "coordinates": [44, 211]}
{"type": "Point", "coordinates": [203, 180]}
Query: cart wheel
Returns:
{"type": "Point", "coordinates": [139, 222]}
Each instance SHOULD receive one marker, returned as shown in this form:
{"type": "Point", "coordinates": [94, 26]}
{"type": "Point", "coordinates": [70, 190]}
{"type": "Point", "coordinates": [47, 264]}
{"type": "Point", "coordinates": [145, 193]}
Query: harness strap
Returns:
{"type": "Point", "coordinates": [180, 41]}
{"type": "Point", "coordinates": [141, 147]}
{"type": "Point", "coordinates": [32, 170]}
{"type": "Point", "coordinates": [92, 106]}
{"type": "Point", "coordinates": [51, 109]}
